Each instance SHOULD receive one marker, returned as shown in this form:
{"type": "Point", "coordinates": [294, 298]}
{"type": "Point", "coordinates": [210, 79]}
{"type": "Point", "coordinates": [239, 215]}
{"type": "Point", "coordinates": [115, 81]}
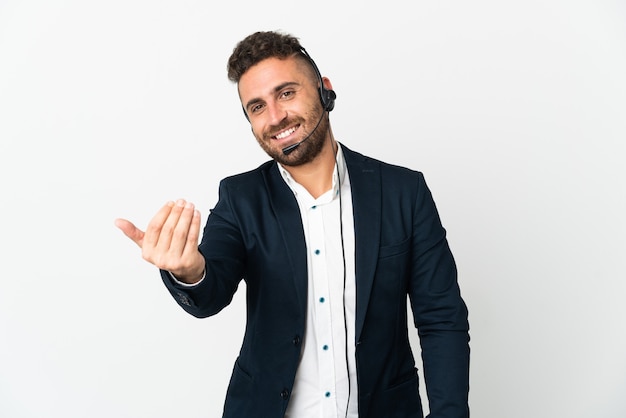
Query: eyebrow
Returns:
{"type": "Point", "coordinates": [275, 90]}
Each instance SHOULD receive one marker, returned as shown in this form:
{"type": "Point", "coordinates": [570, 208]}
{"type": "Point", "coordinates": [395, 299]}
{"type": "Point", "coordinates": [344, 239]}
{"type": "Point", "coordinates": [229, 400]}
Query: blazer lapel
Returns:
{"type": "Point", "coordinates": [365, 185]}
{"type": "Point", "coordinates": [285, 208]}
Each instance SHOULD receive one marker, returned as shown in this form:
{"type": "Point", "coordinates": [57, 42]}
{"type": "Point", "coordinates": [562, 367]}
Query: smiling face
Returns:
{"type": "Point", "coordinates": [282, 101]}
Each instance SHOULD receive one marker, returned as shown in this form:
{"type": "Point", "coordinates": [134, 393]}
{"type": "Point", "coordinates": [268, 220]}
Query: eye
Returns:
{"type": "Point", "coordinates": [256, 108]}
{"type": "Point", "coordinates": [286, 94]}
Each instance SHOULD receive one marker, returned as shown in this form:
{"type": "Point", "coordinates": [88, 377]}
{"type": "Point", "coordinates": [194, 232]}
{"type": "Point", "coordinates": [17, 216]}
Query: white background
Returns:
{"type": "Point", "coordinates": [514, 111]}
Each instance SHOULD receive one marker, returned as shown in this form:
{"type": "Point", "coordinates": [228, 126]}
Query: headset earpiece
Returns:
{"type": "Point", "coordinates": [328, 98]}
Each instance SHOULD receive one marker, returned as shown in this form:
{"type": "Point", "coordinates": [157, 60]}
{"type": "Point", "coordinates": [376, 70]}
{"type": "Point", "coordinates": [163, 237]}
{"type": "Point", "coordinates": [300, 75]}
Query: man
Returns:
{"type": "Point", "coordinates": [330, 244]}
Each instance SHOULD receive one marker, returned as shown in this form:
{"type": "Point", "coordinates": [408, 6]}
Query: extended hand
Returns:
{"type": "Point", "coordinates": [171, 240]}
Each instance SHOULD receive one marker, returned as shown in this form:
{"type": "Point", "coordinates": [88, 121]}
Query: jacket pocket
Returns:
{"type": "Point", "coordinates": [241, 383]}
{"type": "Point", "coordinates": [394, 249]}
{"type": "Point", "coordinates": [402, 400]}
{"type": "Point", "coordinates": [242, 397]}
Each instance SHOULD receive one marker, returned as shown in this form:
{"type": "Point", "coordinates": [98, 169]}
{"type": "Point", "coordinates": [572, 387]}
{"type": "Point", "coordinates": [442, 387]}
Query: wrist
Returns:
{"type": "Point", "coordinates": [189, 277]}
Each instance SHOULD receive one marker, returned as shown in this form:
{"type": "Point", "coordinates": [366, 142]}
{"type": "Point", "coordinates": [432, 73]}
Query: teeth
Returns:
{"type": "Point", "coordinates": [285, 133]}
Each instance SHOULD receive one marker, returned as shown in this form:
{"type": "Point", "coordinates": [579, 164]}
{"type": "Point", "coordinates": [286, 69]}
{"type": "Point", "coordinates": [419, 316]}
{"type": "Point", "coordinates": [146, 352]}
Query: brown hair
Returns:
{"type": "Point", "coordinates": [259, 46]}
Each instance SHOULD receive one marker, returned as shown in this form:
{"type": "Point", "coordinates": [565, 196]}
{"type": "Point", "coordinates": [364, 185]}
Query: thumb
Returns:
{"type": "Point", "coordinates": [130, 230]}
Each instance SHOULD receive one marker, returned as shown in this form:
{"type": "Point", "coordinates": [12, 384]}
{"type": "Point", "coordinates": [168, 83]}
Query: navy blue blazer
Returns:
{"type": "Point", "coordinates": [255, 234]}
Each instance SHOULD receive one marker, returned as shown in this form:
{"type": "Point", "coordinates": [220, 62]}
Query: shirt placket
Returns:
{"type": "Point", "coordinates": [321, 296]}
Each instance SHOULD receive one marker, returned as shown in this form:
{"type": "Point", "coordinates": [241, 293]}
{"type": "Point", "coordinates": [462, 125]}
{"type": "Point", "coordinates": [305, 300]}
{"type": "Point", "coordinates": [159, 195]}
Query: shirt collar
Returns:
{"type": "Point", "coordinates": [339, 173]}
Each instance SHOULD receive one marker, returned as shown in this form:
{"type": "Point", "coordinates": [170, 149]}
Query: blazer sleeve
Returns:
{"type": "Point", "coordinates": [440, 313]}
{"type": "Point", "coordinates": [224, 254]}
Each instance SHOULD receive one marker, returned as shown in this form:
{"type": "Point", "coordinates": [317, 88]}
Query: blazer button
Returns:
{"type": "Point", "coordinates": [184, 299]}
{"type": "Point", "coordinates": [284, 394]}
{"type": "Point", "coordinates": [296, 340]}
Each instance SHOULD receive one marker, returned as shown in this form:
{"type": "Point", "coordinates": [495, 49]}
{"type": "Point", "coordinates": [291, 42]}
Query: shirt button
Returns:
{"type": "Point", "coordinates": [327, 394]}
{"type": "Point", "coordinates": [317, 252]}
{"type": "Point", "coordinates": [284, 394]}
{"type": "Point", "coordinates": [322, 300]}
{"type": "Point", "coordinates": [325, 347]}
{"type": "Point", "coordinates": [296, 340]}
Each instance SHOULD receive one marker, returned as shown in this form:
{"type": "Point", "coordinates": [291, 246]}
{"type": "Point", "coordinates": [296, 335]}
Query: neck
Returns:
{"type": "Point", "coordinates": [317, 176]}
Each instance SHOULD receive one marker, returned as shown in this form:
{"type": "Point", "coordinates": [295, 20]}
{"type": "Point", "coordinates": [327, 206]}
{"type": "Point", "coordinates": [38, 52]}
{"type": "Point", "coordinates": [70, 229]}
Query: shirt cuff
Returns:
{"type": "Point", "coordinates": [178, 282]}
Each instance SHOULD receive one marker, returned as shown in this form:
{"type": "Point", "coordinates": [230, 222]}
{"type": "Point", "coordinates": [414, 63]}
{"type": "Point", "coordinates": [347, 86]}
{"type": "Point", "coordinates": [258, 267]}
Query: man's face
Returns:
{"type": "Point", "coordinates": [282, 102]}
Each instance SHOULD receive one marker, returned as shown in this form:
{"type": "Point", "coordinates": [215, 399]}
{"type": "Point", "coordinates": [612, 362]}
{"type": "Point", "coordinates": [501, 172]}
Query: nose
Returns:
{"type": "Point", "coordinates": [276, 113]}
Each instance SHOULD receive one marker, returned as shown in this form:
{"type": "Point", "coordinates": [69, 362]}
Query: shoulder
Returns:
{"type": "Point", "coordinates": [249, 179]}
{"type": "Point", "coordinates": [358, 162]}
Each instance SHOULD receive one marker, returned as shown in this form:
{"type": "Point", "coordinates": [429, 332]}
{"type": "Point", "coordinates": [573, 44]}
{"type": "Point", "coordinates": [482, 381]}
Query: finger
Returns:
{"type": "Point", "coordinates": [180, 234]}
{"type": "Point", "coordinates": [168, 227]}
{"type": "Point", "coordinates": [153, 231]}
{"type": "Point", "coordinates": [191, 246]}
{"type": "Point", "coordinates": [130, 230]}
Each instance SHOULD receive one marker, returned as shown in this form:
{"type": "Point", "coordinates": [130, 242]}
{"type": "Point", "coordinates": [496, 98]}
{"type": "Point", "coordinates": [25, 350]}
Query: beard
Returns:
{"type": "Point", "coordinates": [307, 150]}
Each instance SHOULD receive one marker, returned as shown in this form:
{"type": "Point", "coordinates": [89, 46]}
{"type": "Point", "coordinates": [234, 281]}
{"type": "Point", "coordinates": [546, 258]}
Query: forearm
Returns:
{"type": "Point", "coordinates": [204, 298]}
{"type": "Point", "coordinates": [445, 356]}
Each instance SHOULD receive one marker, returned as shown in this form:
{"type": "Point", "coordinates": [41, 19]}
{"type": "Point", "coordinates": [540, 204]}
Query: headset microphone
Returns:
{"type": "Point", "coordinates": [289, 149]}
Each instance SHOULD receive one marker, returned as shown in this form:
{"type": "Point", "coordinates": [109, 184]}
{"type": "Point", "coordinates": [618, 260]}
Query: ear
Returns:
{"type": "Point", "coordinates": [327, 84]}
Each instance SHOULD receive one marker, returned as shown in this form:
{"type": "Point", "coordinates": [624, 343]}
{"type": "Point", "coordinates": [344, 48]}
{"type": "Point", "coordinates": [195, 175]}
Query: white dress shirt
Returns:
{"type": "Point", "coordinates": [325, 383]}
